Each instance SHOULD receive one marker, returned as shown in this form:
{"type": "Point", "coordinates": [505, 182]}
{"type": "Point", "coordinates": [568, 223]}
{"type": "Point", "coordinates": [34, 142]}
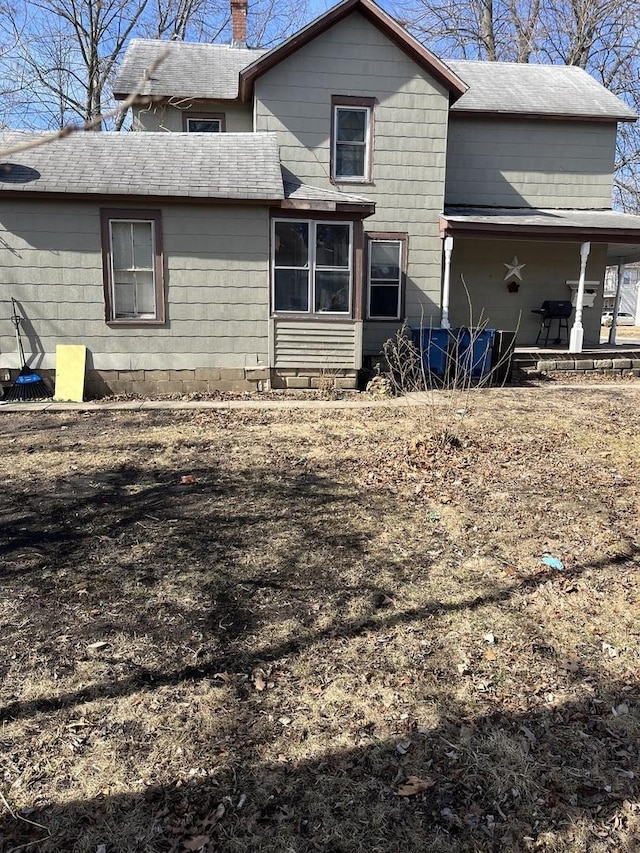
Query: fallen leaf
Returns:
{"type": "Point", "coordinates": [403, 747]}
{"type": "Point", "coordinates": [621, 710]}
{"type": "Point", "coordinates": [188, 480]}
{"type": "Point", "coordinates": [528, 734]}
{"type": "Point", "coordinates": [196, 843]}
{"type": "Point", "coordinates": [610, 650]}
{"type": "Point", "coordinates": [414, 785]}
{"type": "Point", "coordinates": [99, 644]}
{"type": "Point", "coordinates": [286, 721]}
{"type": "Point", "coordinates": [490, 655]}
{"type": "Point", "coordinates": [223, 676]}
{"type": "Point", "coordinates": [258, 680]}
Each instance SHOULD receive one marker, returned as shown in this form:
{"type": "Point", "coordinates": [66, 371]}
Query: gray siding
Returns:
{"type": "Point", "coordinates": [158, 117]}
{"type": "Point", "coordinates": [299, 343]}
{"type": "Point", "coordinates": [526, 162]}
{"type": "Point", "coordinates": [548, 266]}
{"type": "Point", "coordinates": [354, 58]}
{"type": "Point", "coordinates": [216, 282]}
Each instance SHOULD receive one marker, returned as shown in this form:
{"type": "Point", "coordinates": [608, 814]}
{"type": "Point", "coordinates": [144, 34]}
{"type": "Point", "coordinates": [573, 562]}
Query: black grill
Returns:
{"type": "Point", "coordinates": [554, 309]}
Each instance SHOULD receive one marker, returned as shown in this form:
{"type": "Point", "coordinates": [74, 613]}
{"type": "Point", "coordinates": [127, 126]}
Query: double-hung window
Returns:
{"type": "Point", "coordinates": [312, 266]}
{"type": "Point", "coordinates": [352, 139]}
{"type": "Point", "coordinates": [386, 267]}
{"type": "Point", "coordinates": [132, 259]}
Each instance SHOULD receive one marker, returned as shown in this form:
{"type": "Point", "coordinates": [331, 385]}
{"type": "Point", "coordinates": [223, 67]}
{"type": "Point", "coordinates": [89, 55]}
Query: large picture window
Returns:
{"type": "Point", "coordinates": [352, 139]}
{"type": "Point", "coordinates": [386, 267]}
{"type": "Point", "coordinates": [312, 269]}
{"type": "Point", "coordinates": [132, 261]}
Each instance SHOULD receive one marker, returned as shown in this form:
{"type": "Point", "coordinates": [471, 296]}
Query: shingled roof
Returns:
{"type": "Point", "coordinates": [187, 70]}
{"type": "Point", "coordinates": [218, 72]}
{"type": "Point", "coordinates": [186, 166]}
{"type": "Point", "coordinates": [238, 166]}
{"type": "Point", "coordinates": [520, 89]}
{"type": "Point", "coordinates": [597, 225]}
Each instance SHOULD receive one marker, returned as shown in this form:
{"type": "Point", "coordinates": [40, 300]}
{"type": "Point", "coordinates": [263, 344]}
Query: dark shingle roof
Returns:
{"type": "Point", "coordinates": [581, 221]}
{"type": "Point", "coordinates": [188, 70]}
{"type": "Point", "coordinates": [239, 166]}
{"type": "Point", "coordinates": [517, 88]}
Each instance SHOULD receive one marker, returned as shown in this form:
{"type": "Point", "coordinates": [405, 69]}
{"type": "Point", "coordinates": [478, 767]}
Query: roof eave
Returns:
{"type": "Point", "coordinates": [379, 19]}
{"type": "Point", "coordinates": [358, 208]}
{"type": "Point", "coordinates": [478, 113]}
{"type": "Point", "coordinates": [452, 227]}
{"type": "Point", "coordinates": [149, 100]}
{"type": "Point", "coordinates": [135, 198]}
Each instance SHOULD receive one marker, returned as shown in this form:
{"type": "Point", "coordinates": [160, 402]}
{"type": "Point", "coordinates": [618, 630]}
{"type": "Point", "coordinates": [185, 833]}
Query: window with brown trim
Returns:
{"type": "Point", "coordinates": [203, 122]}
{"type": "Point", "coordinates": [352, 139]}
{"type": "Point", "coordinates": [312, 266]}
{"type": "Point", "coordinates": [133, 266]}
{"type": "Point", "coordinates": [386, 274]}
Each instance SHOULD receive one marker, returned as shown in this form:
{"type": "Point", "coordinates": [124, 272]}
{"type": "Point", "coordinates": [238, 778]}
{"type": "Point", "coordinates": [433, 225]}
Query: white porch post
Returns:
{"type": "Point", "coordinates": [577, 332]}
{"type": "Point", "coordinates": [446, 283]}
{"type": "Point", "coordinates": [616, 306]}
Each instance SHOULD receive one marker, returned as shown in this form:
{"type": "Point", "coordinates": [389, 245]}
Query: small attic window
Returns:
{"type": "Point", "coordinates": [203, 123]}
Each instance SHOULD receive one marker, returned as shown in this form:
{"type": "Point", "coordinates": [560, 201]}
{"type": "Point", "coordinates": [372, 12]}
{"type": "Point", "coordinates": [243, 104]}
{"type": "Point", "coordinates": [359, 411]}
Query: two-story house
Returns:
{"type": "Point", "coordinates": [278, 214]}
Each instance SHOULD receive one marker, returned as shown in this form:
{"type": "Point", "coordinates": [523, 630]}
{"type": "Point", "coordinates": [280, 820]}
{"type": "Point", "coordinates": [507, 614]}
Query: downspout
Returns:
{"type": "Point", "coordinates": [577, 332]}
{"type": "Point", "coordinates": [616, 306]}
{"type": "Point", "coordinates": [446, 283]}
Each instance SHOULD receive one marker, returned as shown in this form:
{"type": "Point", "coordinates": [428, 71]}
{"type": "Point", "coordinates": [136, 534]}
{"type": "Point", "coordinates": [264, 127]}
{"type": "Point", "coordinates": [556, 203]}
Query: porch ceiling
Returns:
{"type": "Point", "coordinates": [620, 231]}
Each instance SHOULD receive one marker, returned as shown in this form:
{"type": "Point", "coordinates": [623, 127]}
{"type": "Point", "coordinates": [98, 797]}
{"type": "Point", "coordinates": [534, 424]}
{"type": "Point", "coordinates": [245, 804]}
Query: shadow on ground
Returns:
{"type": "Point", "coordinates": [133, 585]}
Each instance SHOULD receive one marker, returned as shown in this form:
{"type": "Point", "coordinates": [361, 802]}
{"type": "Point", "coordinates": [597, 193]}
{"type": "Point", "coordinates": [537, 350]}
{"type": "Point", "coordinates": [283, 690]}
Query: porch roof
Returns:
{"type": "Point", "coordinates": [620, 231]}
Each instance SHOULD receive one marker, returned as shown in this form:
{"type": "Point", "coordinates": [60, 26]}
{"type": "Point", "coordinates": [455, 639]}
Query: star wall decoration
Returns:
{"type": "Point", "coordinates": [514, 269]}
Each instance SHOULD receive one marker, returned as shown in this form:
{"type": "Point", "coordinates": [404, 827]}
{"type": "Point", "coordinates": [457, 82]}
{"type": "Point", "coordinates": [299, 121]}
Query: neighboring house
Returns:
{"type": "Point", "coordinates": [276, 215]}
{"type": "Point", "coordinates": [629, 290]}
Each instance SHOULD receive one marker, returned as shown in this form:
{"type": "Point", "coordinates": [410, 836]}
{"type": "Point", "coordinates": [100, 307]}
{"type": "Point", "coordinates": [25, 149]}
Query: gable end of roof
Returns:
{"type": "Point", "coordinates": [376, 16]}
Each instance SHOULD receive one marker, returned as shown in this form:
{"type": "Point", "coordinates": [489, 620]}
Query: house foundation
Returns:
{"type": "Point", "coordinates": [167, 383]}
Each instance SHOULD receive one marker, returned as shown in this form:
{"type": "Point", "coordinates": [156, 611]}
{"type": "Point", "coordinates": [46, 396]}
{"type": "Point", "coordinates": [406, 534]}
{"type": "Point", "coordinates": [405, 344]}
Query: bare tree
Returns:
{"type": "Point", "coordinates": [60, 55]}
{"type": "Point", "coordinates": [601, 36]}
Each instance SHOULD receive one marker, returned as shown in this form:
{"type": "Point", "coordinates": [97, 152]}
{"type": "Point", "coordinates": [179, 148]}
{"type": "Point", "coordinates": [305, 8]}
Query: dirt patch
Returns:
{"type": "Point", "coordinates": [375, 630]}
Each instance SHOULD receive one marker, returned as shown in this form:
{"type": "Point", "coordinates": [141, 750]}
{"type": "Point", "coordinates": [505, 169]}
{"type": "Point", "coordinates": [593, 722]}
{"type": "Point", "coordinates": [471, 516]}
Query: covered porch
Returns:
{"type": "Point", "coordinates": [502, 265]}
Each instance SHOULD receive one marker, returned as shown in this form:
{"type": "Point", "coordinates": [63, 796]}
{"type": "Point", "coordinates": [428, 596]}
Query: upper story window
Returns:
{"type": "Point", "coordinates": [312, 266]}
{"type": "Point", "coordinates": [203, 123]}
{"type": "Point", "coordinates": [132, 263]}
{"type": "Point", "coordinates": [352, 139]}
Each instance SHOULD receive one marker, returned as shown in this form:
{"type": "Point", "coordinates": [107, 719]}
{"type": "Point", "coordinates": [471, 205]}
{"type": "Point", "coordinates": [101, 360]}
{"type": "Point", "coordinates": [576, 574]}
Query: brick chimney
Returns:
{"type": "Point", "coordinates": [239, 23]}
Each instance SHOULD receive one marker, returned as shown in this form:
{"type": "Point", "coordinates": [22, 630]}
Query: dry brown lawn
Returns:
{"type": "Point", "coordinates": [323, 630]}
